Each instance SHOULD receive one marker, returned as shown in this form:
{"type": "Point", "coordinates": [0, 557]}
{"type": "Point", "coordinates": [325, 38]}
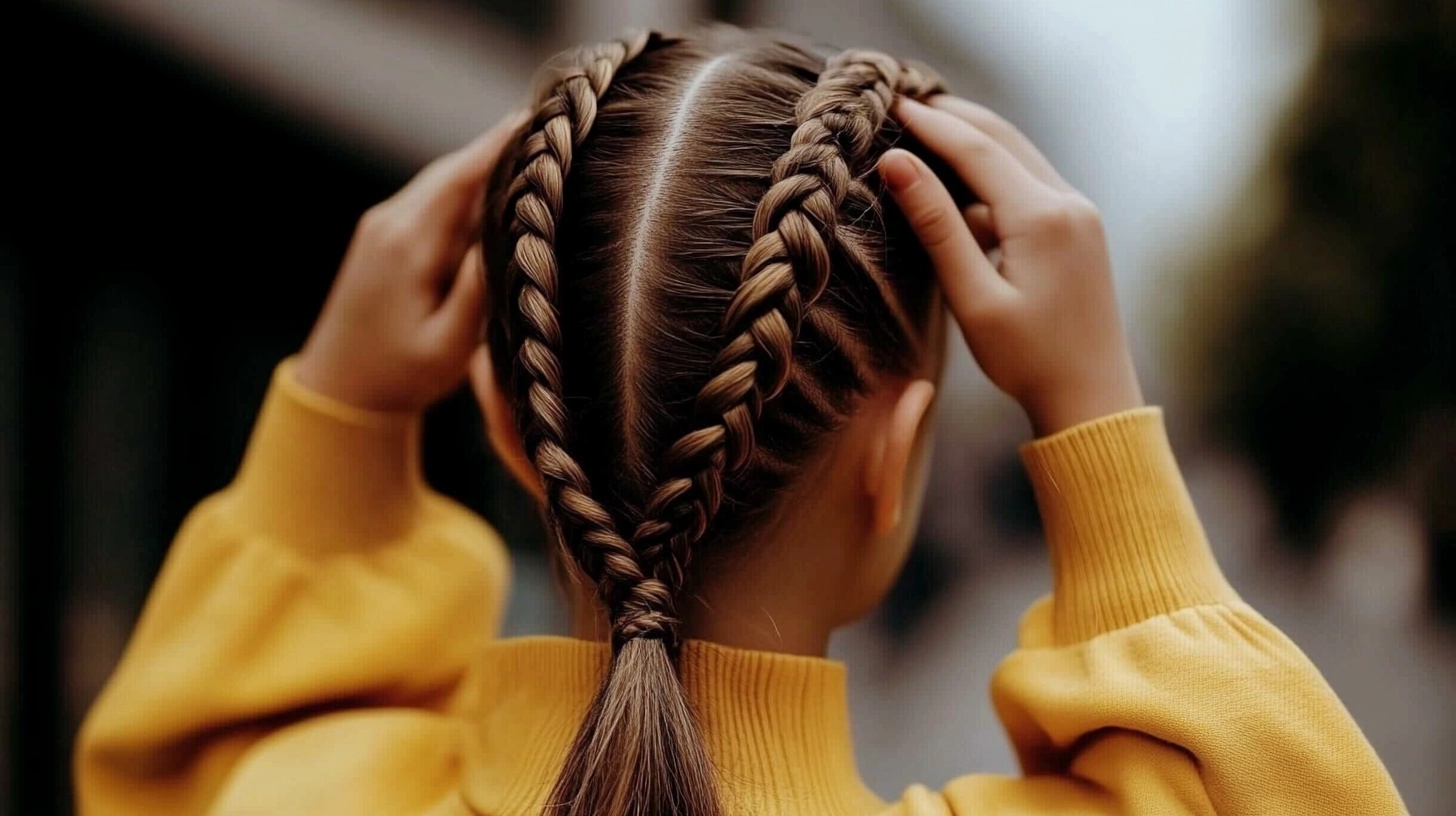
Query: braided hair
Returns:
{"type": "Point", "coordinates": [680, 322]}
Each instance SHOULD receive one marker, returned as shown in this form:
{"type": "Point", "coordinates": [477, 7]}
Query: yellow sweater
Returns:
{"type": "Point", "coordinates": [320, 641]}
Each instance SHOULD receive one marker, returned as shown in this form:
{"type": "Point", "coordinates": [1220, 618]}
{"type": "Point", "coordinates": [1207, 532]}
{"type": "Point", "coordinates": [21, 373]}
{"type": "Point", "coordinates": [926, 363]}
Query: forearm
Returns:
{"type": "Point", "coordinates": [1143, 684]}
{"type": "Point", "coordinates": [1124, 538]}
{"type": "Point", "coordinates": [326, 577]}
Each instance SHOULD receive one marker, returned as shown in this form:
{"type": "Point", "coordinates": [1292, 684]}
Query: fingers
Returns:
{"type": "Point", "coordinates": [437, 215]}
{"type": "Point", "coordinates": [476, 159]}
{"type": "Point", "coordinates": [992, 172]}
{"type": "Point", "coordinates": [448, 189]}
{"type": "Point", "coordinates": [966, 277]}
{"type": "Point", "coordinates": [472, 162]}
{"type": "Point", "coordinates": [990, 123]}
{"type": "Point", "coordinates": [456, 323]}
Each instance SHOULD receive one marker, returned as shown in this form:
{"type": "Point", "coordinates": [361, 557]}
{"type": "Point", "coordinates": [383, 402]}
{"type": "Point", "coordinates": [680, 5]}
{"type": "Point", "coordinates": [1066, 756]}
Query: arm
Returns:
{"type": "Point", "coordinates": [304, 646]}
{"type": "Point", "coordinates": [1143, 685]}
{"type": "Point", "coordinates": [327, 578]}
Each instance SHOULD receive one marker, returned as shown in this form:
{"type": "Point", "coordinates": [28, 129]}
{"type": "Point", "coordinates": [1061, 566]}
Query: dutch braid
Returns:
{"type": "Point", "coordinates": [562, 121]}
{"type": "Point", "coordinates": [816, 227]}
{"type": "Point", "coordinates": [786, 269]}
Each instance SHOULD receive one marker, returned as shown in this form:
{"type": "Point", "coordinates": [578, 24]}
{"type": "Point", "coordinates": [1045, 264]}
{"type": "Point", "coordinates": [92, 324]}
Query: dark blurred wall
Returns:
{"type": "Point", "coordinates": [171, 241]}
{"type": "Point", "coordinates": [9, 472]}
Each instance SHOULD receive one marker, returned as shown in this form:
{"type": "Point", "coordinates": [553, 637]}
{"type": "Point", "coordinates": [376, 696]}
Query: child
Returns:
{"type": "Point", "coordinates": [720, 342]}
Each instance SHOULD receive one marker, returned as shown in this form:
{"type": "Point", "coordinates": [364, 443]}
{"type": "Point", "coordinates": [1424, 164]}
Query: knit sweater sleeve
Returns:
{"type": "Point", "coordinates": [317, 618]}
{"type": "Point", "coordinates": [1144, 685]}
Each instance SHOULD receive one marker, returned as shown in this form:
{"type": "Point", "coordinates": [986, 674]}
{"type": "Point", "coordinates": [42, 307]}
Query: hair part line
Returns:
{"type": "Point", "coordinates": [656, 188]}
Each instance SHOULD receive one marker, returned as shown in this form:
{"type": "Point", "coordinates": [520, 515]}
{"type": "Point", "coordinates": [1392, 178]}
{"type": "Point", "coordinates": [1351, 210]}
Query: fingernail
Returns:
{"type": "Point", "coordinates": [898, 170]}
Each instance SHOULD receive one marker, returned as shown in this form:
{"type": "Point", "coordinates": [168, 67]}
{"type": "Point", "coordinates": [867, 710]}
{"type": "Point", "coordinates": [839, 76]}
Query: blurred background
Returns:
{"type": "Point", "coordinates": [1275, 177]}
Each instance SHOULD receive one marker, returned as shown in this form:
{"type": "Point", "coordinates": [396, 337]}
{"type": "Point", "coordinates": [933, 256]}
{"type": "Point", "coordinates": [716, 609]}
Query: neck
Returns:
{"type": "Point", "coordinates": [785, 592]}
{"type": "Point", "coordinates": [800, 577]}
{"type": "Point", "coordinates": [761, 616]}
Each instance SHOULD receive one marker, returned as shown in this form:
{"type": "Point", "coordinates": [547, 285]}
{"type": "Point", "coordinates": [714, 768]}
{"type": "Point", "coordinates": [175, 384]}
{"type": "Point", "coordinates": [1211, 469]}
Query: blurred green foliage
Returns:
{"type": "Point", "coordinates": [1321, 344]}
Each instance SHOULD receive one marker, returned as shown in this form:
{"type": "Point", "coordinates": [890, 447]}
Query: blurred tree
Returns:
{"type": "Point", "coordinates": [1322, 342]}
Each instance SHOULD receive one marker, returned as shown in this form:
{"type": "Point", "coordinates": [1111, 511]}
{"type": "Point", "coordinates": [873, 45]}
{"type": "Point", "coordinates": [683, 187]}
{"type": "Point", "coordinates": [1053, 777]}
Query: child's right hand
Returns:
{"type": "Point", "coordinates": [405, 311]}
{"type": "Point", "coordinates": [1043, 322]}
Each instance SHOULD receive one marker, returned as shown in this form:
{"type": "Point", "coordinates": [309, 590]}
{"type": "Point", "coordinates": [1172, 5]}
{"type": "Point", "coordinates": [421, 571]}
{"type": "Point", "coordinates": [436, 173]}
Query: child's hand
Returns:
{"type": "Point", "coordinates": [404, 314]}
{"type": "Point", "coordinates": [1043, 321]}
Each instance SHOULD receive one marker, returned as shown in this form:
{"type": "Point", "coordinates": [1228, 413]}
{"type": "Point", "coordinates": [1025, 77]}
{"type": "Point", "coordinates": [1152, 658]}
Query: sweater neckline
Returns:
{"type": "Point", "coordinates": [776, 725]}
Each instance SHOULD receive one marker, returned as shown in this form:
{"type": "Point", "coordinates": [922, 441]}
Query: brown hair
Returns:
{"type": "Point", "coordinates": [693, 277]}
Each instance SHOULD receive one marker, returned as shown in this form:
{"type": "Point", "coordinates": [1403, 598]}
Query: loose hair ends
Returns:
{"type": "Point", "coordinates": [639, 751]}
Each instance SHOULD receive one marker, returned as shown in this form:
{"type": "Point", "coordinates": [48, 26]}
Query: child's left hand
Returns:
{"type": "Point", "coordinates": [404, 314]}
{"type": "Point", "coordinates": [1043, 321]}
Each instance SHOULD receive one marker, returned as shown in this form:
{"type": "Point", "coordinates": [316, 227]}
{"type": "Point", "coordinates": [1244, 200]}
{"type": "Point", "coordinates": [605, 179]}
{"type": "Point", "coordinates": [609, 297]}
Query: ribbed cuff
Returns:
{"type": "Point", "coordinates": [324, 476]}
{"type": "Point", "coordinates": [1126, 544]}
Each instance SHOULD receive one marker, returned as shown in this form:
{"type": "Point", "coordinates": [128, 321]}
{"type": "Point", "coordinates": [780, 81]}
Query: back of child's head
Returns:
{"type": "Point", "coordinates": [694, 277]}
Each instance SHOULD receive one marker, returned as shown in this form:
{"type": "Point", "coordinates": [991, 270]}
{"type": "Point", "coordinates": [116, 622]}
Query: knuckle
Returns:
{"type": "Point", "coordinates": [385, 229]}
{"type": "Point", "coordinates": [1083, 213]}
{"type": "Point", "coordinates": [933, 224]}
{"type": "Point", "coordinates": [429, 173]}
{"type": "Point", "coordinates": [1051, 220]}
{"type": "Point", "coordinates": [1067, 216]}
{"type": "Point", "coordinates": [371, 221]}
{"type": "Point", "coordinates": [441, 175]}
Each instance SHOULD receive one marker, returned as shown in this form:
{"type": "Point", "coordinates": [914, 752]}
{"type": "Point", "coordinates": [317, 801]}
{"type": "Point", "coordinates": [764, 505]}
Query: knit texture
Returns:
{"type": "Point", "coordinates": [321, 641]}
{"type": "Point", "coordinates": [1126, 544]}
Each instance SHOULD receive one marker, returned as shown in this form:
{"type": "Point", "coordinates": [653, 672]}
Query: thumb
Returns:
{"type": "Point", "coordinates": [456, 323]}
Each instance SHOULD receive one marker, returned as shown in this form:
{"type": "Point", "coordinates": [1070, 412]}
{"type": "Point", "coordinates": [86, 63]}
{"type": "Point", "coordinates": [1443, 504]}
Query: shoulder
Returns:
{"type": "Point", "coordinates": [394, 762]}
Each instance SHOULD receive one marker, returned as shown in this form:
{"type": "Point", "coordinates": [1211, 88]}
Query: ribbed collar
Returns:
{"type": "Point", "coordinates": [777, 726]}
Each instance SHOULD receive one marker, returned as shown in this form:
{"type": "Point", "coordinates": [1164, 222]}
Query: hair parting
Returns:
{"type": "Point", "coordinates": [701, 294]}
{"type": "Point", "coordinates": [645, 228]}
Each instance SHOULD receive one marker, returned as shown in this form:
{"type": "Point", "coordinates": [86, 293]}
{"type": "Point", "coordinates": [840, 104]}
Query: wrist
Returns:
{"type": "Point", "coordinates": [342, 382]}
{"type": "Point", "coordinates": [322, 475]}
{"type": "Point", "coordinates": [1068, 408]}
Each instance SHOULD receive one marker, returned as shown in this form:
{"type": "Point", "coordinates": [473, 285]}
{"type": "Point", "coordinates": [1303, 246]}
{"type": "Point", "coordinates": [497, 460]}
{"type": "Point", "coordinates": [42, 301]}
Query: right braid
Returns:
{"type": "Point", "coordinates": [784, 272]}
{"type": "Point", "coordinates": [562, 122]}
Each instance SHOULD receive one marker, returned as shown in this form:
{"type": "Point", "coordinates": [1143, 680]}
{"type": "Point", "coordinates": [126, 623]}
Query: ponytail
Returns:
{"type": "Point", "coordinates": [639, 751]}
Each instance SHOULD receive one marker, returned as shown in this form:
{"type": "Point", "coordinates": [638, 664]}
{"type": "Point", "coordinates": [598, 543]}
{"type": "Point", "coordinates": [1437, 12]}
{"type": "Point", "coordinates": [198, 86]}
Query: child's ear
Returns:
{"type": "Point", "coordinates": [500, 424]}
{"type": "Point", "coordinates": [887, 470]}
